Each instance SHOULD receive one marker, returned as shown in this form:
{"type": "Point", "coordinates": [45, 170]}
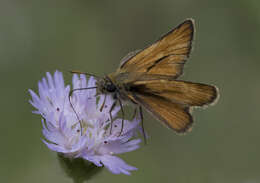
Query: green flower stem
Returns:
{"type": "Point", "coordinates": [79, 170]}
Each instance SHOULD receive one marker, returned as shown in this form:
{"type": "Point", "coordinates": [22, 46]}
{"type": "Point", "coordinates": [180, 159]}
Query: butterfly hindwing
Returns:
{"type": "Point", "coordinates": [183, 92]}
{"type": "Point", "coordinates": [173, 115]}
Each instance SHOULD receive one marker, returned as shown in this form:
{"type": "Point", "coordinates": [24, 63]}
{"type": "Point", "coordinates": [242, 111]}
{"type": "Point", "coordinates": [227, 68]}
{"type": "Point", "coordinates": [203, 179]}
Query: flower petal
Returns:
{"type": "Point", "coordinates": [116, 165]}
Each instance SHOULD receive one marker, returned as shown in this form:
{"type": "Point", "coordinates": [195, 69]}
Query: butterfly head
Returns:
{"type": "Point", "coordinates": [106, 86]}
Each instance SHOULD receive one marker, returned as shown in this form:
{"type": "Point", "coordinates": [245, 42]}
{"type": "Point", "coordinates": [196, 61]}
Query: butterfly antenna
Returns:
{"type": "Point", "coordinates": [142, 123]}
{"type": "Point", "coordinates": [76, 115]}
{"type": "Point", "coordinates": [88, 74]}
{"type": "Point", "coordinates": [70, 94]}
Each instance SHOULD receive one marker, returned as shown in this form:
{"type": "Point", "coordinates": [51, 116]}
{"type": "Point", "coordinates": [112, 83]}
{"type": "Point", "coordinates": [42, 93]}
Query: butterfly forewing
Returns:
{"type": "Point", "coordinates": [166, 56]}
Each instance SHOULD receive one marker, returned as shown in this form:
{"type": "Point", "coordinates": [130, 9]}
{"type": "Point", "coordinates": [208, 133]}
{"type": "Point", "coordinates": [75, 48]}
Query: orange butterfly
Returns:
{"type": "Point", "coordinates": [148, 78]}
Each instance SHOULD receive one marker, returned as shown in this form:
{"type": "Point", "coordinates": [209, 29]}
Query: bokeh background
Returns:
{"type": "Point", "coordinates": [37, 36]}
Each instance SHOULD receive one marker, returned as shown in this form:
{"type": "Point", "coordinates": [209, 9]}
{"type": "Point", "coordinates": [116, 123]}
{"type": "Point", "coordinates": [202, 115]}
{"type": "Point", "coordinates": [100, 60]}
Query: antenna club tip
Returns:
{"type": "Point", "coordinates": [76, 72]}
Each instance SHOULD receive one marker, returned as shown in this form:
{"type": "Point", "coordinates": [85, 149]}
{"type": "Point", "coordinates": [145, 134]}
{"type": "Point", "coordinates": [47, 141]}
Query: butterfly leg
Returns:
{"type": "Point", "coordinates": [103, 104]}
{"type": "Point", "coordinates": [123, 117]}
{"type": "Point", "coordinates": [110, 114]}
{"type": "Point", "coordinates": [135, 111]}
{"type": "Point", "coordinates": [79, 120]}
{"type": "Point", "coordinates": [142, 122]}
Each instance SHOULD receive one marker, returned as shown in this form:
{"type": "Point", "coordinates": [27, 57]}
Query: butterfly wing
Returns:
{"type": "Point", "coordinates": [166, 56]}
{"type": "Point", "coordinates": [170, 101]}
{"type": "Point", "coordinates": [183, 92]}
{"type": "Point", "coordinates": [173, 115]}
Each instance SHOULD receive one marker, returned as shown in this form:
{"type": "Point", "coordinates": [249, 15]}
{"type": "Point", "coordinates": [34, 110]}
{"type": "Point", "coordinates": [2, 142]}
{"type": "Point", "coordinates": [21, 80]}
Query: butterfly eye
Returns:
{"type": "Point", "coordinates": [110, 87]}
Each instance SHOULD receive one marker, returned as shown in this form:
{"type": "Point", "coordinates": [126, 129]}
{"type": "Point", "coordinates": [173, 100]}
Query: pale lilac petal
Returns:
{"type": "Point", "coordinates": [94, 159]}
{"type": "Point", "coordinates": [35, 99]}
{"type": "Point", "coordinates": [50, 80]}
{"type": "Point", "coordinates": [54, 147]}
{"type": "Point", "coordinates": [119, 147]}
{"type": "Point", "coordinates": [83, 80]}
{"type": "Point", "coordinates": [116, 165]}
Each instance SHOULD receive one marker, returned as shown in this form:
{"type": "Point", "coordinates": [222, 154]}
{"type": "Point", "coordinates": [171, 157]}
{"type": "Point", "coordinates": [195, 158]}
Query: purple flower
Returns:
{"type": "Point", "coordinates": [93, 141]}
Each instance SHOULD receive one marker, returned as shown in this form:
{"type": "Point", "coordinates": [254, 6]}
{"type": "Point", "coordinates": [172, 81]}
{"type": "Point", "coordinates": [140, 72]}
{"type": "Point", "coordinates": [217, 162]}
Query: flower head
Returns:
{"type": "Point", "coordinates": [85, 131]}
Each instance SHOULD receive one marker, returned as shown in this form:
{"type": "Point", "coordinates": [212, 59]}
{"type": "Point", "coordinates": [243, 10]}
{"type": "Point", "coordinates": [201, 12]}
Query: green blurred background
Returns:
{"type": "Point", "coordinates": [37, 36]}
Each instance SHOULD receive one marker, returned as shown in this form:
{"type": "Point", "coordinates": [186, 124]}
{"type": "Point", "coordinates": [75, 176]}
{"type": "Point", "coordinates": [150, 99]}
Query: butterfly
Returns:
{"type": "Point", "coordinates": [148, 78]}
